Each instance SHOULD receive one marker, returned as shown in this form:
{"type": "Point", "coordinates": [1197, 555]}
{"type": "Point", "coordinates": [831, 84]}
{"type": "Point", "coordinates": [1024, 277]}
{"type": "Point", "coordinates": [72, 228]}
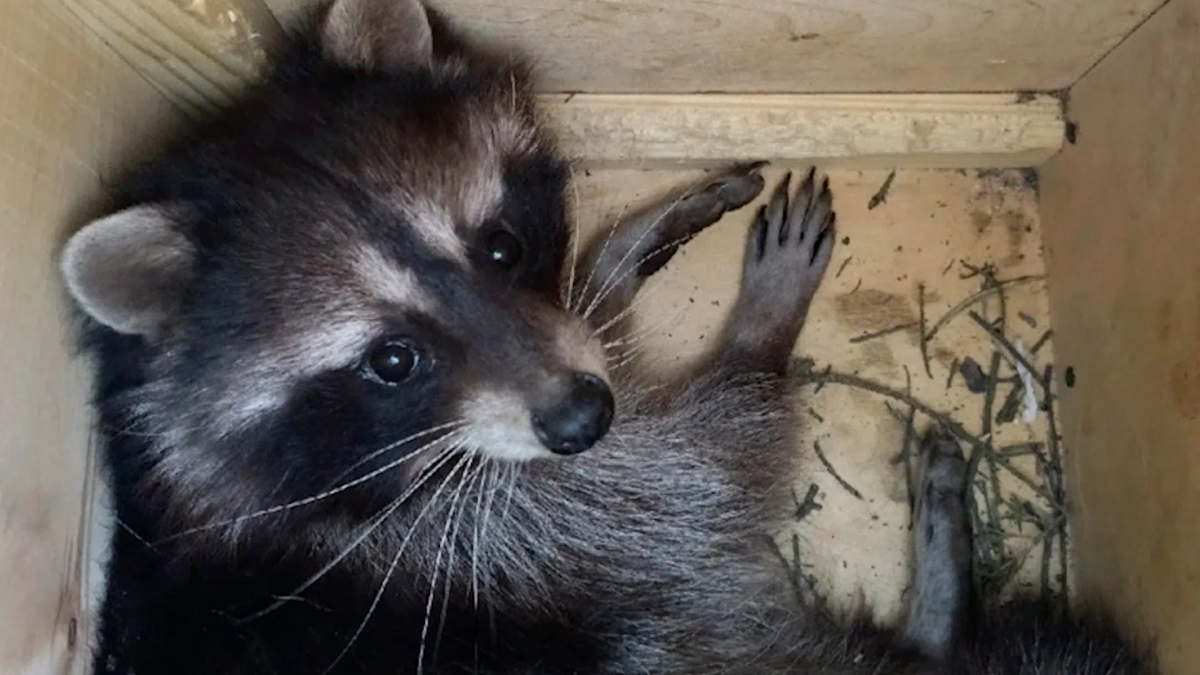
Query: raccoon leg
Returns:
{"type": "Point", "coordinates": [941, 602]}
{"type": "Point", "coordinates": [616, 264]}
{"type": "Point", "coordinates": [787, 251]}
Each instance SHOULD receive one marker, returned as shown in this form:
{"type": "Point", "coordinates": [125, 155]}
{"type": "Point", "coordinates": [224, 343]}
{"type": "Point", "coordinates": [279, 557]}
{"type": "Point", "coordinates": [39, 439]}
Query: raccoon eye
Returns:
{"type": "Point", "coordinates": [392, 362]}
{"type": "Point", "coordinates": [504, 249]}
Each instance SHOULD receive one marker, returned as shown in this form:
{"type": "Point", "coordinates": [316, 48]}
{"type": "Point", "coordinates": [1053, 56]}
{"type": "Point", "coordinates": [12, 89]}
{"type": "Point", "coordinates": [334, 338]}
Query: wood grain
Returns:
{"type": "Point", "coordinates": [800, 46]}
{"type": "Point", "coordinates": [1121, 210]}
{"type": "Point", "coordinates": [71, 112]}
{"type": "Point", "coordinates": [197, 53]}
{"type": "Point", "coordinates": [200, 59]}
{"type": "Point", "coordinates": [859, 131]}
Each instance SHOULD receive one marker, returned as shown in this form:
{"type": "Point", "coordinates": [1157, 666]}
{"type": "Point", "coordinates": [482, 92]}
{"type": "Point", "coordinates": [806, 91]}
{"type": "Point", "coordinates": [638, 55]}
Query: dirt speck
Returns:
{"type": "Point", "coordinates": [919, 134]}
{"type": "Point", "coordinates": [1017, 224]}
{"type": "Point", "coordinates": [1185, 388]}
{"type": "Point", "coordinates": [1004, 198]}
{"type": "Point", "coordinates": [872, 309]}
{"type": "Point", "coordinates": [982, 220]}
{"type": "Point", "coordinates": [876, 354]}
{"type": "Point", "coordinates": [943, 355]}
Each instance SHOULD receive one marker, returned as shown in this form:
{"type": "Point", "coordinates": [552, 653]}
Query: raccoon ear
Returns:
{"type": "Point", "coordinates": [389, 36]}
{"type": "Point", "coordinates": [128, 270]}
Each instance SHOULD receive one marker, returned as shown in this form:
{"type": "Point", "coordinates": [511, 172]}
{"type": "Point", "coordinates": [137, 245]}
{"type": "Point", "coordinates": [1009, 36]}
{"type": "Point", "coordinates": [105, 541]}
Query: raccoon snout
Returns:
{"type": "Point", "coordinates": [579, 420]}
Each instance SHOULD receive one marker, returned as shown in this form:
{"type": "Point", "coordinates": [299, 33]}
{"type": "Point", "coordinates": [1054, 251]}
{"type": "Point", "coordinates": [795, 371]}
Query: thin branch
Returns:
{"type": "Point", "coordinates": [829, 467]}
{"type": "Point", "coordinates": [976, 297]}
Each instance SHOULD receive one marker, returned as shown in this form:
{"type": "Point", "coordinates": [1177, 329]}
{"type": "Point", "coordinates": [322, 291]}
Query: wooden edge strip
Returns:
{"type": "Point", "coordinates": [199, 54]}
{"type": "Point", "coordinates": [857, 131]}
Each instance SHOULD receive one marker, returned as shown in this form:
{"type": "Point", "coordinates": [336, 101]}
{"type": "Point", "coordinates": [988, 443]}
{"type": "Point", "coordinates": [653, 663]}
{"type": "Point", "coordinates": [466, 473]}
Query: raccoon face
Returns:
{"type": "Point", "coordinates": [354, 272]}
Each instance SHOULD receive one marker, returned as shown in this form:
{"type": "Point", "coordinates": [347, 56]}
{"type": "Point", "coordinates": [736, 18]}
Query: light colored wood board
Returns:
{"type": "Point", "coordinates": [198, 53]}
{"type": "Point", "coordinates": [860, 131]}
{"type": "Point", "coordinates": [929, 221]}
{"type": "Point", "coordinates": [807, 46]}
{"type": "Point", "coordinates": [199, 59]}
{"type": "Point", "coordinates": [1121, 209]}
{"type": "Point", "coordinates": [68, 108]}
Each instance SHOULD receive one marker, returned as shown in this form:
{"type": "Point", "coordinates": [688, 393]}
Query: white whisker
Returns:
{"type": "Point", "coordinates": [476, 476]}
{"type": "Point", "coordinates": [395, 444]}
{"type": "Point", "coordinates": [440, 460]}
{"type": "Point", "coordinates": [514, 470]}
{"type": "Point", "coordinates": [617, 363]}
{"type": "Point", "coordinates": [640, 298]}
{"type": "Point", "coordinates": [476, 525]}
{"type": "Point", "coordinates": [574, 239]}
{"type": "Point", "coordinates": [491, 486]}
{"type": "Point", "coordinates": [387, 578]}
{"type": "Point", "coordinates": [610, 288]}
{"type": "Point", "coordinates": [326, 494]}
{"type": "Point", "coordinates": [612, 230]}
{"type": "Point", "coordinates": [437, 564]}
{"type": "Point", "coordinates": [605, 288]}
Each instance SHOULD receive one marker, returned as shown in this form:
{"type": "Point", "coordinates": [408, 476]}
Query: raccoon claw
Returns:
{"type": "Point", "coordinates": [699, 207]}
{"type": "Point", "coordinates": [807, 223]}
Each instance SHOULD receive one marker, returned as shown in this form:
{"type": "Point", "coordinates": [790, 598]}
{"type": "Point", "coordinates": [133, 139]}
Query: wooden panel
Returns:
{"type": "Point", "coordinates": [803, 46]}
{"type": "Point", "coordinates": [931, 130]}
{"type": "Point", "coordinates": [68, 108]}
{"type": "Point", "coordinates": [1121, 210]}
{"type": "Point", "coordinates": [196, 53]}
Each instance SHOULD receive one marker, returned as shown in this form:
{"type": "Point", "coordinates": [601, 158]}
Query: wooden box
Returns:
{"type": "Point", "coordinates": [1035, 152]}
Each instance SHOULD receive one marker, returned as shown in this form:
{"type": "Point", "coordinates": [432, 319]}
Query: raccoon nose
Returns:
{"type": "Point", "coordinates": [579, 420]}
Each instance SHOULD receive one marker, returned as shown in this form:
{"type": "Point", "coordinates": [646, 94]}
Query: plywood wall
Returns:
{"type": "Point", "coordinates": [800, 45]}
{"type": "Point", "coordinates": [1121, 214]}
{"type": "Point", "coordinates": [68, 107]}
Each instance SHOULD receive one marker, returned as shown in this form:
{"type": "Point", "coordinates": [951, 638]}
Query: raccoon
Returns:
{"type": "Point", "coordinates": [356, 386]}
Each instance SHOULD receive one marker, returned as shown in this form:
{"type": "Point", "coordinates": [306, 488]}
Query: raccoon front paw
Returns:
{"type": "Point", "coordinates": [617, 264]}
{"type": "Point", "coordinates": [698, 207]}
{"type": "Point", "coordinates": [788, 249]}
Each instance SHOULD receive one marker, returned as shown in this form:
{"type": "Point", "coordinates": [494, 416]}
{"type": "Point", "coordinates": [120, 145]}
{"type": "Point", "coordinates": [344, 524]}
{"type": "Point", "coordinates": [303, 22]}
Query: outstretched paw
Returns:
{"type": "Point", "coordinates": [617, 263]}
{"type": "Point", "coordinates": [792, 238]}
{"type": "Point", "coordinates": [788, 250]}
{"type": "Point", "coordinates": [696, 208]}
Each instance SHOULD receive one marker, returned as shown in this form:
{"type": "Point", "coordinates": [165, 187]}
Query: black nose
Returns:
{"type": "Point", "coordinates": [579, 420]}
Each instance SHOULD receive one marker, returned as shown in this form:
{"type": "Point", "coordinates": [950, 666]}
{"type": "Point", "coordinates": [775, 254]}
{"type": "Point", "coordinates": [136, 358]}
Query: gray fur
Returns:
{"type": "Point", "coordinates": [942, 544]}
